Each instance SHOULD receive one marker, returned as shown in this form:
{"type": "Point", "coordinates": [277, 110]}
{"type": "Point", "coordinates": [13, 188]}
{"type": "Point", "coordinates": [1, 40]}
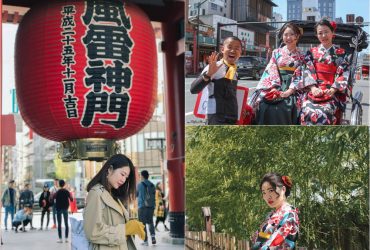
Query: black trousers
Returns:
{"type": "Point", "coordinates": [63, 212]}
{"type": "Point", "coordinates": [47, 211]}
{"type": "Point", "coordinates": [16, 224]}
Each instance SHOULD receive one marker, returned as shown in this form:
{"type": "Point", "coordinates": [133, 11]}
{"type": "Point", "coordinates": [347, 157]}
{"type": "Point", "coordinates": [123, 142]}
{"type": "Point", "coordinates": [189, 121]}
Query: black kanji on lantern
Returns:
{"type": "Point", "coordinates": [70, 104]}
{"type": "Point", "coordinates": [116, 77]}
{"type": "Point", "coordinates": [95, 102]}
{"type": "Point", "coordinates": [68, 54]}
{"type": "Point", "coordinates": [69, 86]}
{"type": "Point", "coordinates": [119, 77]}
{"type": "Point", "coordinates": [68, 21]}
{"type": "Point", "coordinates": [103, 102]}
{"type": "Point", "coordinates": [68, 10]}
{"type": "Point", "coordinates": [108, 42]}
{"type": "Point", "coordinates": [108, 45]}
{"type": "Point", "coordinates": [118, 103]}
{"type": "Point", "coordinates": [106, 11]}
{"type": "Point", "coordinates": [96, 73]}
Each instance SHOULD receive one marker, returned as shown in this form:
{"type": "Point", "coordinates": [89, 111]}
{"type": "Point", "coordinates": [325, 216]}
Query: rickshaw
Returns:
{"type": "Point", "coordinates": [353, 39]}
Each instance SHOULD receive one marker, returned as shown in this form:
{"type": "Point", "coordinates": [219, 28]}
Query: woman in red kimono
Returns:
{"type": "Point", "coordinates": [325, 79]}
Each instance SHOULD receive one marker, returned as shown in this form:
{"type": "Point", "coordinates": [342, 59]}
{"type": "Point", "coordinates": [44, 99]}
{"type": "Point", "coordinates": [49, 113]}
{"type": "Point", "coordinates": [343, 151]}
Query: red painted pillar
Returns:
{"type": "Point", "coordinates": [174, 98]}
{"type": "Point", "coordinates": [1, 112]}
{"type": "Point", "coordinates": [195, 52]}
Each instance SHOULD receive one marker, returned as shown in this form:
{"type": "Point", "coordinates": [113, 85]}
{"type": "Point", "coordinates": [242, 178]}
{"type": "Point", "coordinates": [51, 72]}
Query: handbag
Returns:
{"type": "Point", "coordinates": [78, 237]}
{"type": "Point", "coordinates": [273, 97]}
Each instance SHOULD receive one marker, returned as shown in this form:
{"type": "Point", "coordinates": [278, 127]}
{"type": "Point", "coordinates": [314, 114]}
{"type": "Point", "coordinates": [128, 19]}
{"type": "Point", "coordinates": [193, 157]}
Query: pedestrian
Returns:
{"type": "Point", "coordinates": [146, 204]}
{"type": "Point", "coordinates": [106, 220]}
{"type": "Point", "coordinates": [160, 207]}
{"type": "Point", "coordinates": [8, 202]}
{"type": "Point", "coordinates": [62, 198]}
{"type": "Point", "coordinates": [219, 80]}
{"type": "Point", "coordinates": [53, 191]}
{"type": "Point", "coordinates": [22, 217]}
{"type": "Point", "coordinates": [325, 79]}
{"type": "Point", "coordinates": [275, 102]}
{"type": "Point", "coordinates": [44, 203]}
{"type": "Point", "coordinates": [73, 203]}
{"type": "Point", "coordinates": [26, 198]}
{"type": "Point", "coordinates": [281, 227]}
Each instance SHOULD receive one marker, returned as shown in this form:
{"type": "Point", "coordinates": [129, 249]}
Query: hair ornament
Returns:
{"type": "Point", "coordinates": [300, 30]}
{"type": "Point", "coordinates": [287, 181]}
{"type": "Point", "coordinates": [334, 25]}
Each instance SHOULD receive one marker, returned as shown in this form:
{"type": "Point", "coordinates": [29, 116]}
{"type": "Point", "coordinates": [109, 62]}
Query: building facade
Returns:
{"type": "Point", "coordinates": [294, 10]}
{"type": "Point", "coordinates": [210, 7]}
{"type": "Point", "coordinates": [327, 8]}
{"type": "Point", "coordinates": [310, 9]}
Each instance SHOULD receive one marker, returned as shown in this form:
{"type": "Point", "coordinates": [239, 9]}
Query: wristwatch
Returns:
{"type": "Point", "coordinates": [206, 77]}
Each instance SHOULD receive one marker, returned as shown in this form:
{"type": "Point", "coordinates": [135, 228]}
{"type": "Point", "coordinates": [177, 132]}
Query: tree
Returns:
{"type": "Point", "coordinates": [329, 167]}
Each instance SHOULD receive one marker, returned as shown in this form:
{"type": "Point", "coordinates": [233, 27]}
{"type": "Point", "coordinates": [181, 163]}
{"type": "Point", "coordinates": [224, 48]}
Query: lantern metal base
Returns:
{"type": "Point", "coordinates": [93, 149]}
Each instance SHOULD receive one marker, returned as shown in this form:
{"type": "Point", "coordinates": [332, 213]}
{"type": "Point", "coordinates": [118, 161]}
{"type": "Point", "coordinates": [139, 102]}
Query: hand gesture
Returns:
{"type": "Point", "coordinates": [317, 92]}
{"type": "Point", "coordinates": [287, 93]}
{"type": "Point", "coordinates": [330, 91]}
{"type": "Point", "coordinates": [212, 64]}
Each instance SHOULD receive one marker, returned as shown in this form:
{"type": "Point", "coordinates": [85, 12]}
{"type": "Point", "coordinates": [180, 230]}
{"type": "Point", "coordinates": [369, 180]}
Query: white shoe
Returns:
{"type": "Point", "coordinates": [60, 241]}
{"type": "Point", "coordinates": [66, 241]}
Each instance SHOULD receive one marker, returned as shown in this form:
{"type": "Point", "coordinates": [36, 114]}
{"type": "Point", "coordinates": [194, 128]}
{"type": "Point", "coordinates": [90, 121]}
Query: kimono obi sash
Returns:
{"type": "Point", "coordinates": [286, 70]}
{"type": "Point", "coordinates": [325, 74]}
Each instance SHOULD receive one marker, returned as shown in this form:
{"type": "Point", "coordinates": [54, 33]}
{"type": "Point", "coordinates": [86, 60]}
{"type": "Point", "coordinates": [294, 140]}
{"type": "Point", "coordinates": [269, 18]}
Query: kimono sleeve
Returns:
{"type": "Point", "coordinates": [96, 230]}
{"type": "Point", "coordinates": [305, 74]}
{"type": "Point", "coordinates": [270, 77]}
{"type": "Point", "coordinates": [342, 74]}
{"type": "Point", "coordinates": [287, 229]}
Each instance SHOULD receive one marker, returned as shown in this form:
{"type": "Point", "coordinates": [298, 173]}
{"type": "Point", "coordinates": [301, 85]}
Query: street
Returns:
{"type": "Point", "coordinates": [47, 239]}
{"type": "Point", "coordinates": [190, 119]}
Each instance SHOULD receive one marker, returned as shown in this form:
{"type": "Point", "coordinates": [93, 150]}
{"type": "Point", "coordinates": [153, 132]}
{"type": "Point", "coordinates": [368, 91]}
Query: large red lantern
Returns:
{"type": "Point", "coordinates": [86, 69]}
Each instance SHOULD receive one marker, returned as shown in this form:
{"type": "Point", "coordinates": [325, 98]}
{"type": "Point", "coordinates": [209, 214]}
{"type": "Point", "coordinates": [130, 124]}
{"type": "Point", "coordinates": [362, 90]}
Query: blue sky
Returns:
{"type": "Point", "coordinates": [343, 7]}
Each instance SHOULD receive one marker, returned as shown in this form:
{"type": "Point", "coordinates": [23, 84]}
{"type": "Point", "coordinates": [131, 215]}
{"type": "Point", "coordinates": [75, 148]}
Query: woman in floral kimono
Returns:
{"type": "Point", "coordinates": [274, 100]}
{"type": "Point", "coordinates": [281, 227]}
{"type": "Point", "coordinates": [325, 79]}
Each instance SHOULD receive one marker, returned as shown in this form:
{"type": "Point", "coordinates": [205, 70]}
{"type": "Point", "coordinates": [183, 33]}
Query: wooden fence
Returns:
{"type": "Point", "coordinates": [216, 241]}
{"type": "Point", "coordinates": [213, 241]}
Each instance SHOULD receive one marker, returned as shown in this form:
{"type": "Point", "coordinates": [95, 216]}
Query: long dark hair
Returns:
{"type": "Point", "coordinates": [277, 180]}
{"type": "Point", "coordinates": [128, 189]}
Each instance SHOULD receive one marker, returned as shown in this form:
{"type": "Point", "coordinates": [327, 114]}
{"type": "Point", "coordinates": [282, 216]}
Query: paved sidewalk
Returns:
{"type": "Point", "coordinates": [47, 239]}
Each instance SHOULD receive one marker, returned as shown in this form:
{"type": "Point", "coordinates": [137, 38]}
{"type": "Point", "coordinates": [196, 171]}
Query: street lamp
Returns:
{"type": "Point", "coordinates": [158, 143]}
{"type": "Point", "coordinates": [196, 54]}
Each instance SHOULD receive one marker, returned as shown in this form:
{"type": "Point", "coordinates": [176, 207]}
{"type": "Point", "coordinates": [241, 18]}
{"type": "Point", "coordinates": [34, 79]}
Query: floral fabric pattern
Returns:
{"type": "Point", "coordinates": [270, 79]}
{"type": "Point", "coordinates": [279, 231]}
{"type": "Point", "coordinates": [323, 113]}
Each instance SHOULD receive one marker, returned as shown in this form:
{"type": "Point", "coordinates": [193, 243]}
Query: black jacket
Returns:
{"type": "Point", "coordinates": [44, 200]}
{"type": "Point", "coordinates": [224, 94]}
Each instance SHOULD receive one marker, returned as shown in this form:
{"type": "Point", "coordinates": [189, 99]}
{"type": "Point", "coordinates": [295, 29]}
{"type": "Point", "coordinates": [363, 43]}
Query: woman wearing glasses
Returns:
{"type": "Point", "coordinates": [325, 79]}
{"type": "Point", "coordinates": [274, 100]}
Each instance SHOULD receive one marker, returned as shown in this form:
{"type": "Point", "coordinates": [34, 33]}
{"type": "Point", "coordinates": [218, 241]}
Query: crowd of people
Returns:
{"type": "Point", "coordinates": [51, 200]}
{"type": "Point", "coordinates": [297, 87]}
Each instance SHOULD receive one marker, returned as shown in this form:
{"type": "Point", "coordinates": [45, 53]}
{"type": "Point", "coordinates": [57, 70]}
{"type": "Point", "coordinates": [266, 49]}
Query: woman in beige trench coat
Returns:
{"type": "Point", "coordinates": [106, 221]}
